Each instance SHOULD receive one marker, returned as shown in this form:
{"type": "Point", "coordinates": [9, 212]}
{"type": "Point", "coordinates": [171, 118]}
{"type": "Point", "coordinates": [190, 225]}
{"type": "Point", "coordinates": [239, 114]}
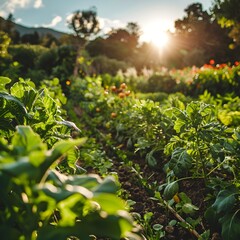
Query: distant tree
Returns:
{"type": "Point", "coordinates": [15, 36]}
{"type": "Point", "coordinates": [198, 34]}
{"type": "Point", "coordinates": [31, 38]}
{"type": "Point", "coordinates": [97, 47]}
{"type": "Point", "coordinates": [10, 17]}
{"type": "Point", "coordinates": [25, 56]}
{"type": "Point", "coordinates": [85, 25]}
{"type": "Point", "coordinates": [227, 14]}
{"type": "Point", "coordinates": [69, 39]}
{"type": "Point", "coordinates": [48, 40]}
{"type": "Point", "coordinates": [135, 32]}
{"type": "Point", "coordinates": [120, 44]}
{"type": "Point", "coordinates": [7, 25]}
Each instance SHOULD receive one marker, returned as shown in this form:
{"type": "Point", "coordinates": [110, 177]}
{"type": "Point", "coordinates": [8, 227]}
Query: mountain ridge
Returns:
{"type": "Point", "coordinates": [30, 30]}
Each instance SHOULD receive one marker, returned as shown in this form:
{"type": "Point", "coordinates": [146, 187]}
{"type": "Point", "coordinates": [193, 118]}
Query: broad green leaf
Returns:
{"type": "Point", "coordinates": [107, 186]}
{"type": "Point", "coordinates": [109, 203]}
{"type": "Point", "coordinates": [170, 190]}
{"type": "Point", "coordinates": [61, 148]}
{"type": "Point", "coordinates": [3, 82]}
{"type": "Point", "coordinates": [60, 193]}
{"type": "Point", "coordinates": [49, 232]}
{"type": "Point", "coordinates": [230, 226]}
{"type": "Point", "coordinates": [15, 107]}
{"type": "Point", "coordinates": [88, 181]}
{"type": "Point", "coordinates": [22, 170]}
{"type": "Point", "coordinates": [180, 161]}
{"type": "Point", "coordinates": [57, 178]}
{"type": "Point", "coordinates": [192, 109]}
{"type": "Point", "coordinates": [25, 142]}
{"type": "Point", "coordinates": [225, 201]}
{"type": "Point", "coordinates": [211, 216]}
{"type": "Point", "coordinates": [184, 197]}
{"type": "Point", "coordinates": [111, 226]}
{"type": "Point", "coordinates": [179, 113]}
{"type": "Point", "coordinates": [179, 124]}
{"type": "Point", "coordinates": [151, 160]}
{"type": "Point", "coordinates": [189, 208]}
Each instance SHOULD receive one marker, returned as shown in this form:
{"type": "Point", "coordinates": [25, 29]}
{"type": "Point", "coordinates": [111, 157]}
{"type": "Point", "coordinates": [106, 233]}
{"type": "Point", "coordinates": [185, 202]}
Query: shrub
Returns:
{"type": "Point", "coordinates": [103, 64]}
{"type": "Point", "coordinates": [158, 83]}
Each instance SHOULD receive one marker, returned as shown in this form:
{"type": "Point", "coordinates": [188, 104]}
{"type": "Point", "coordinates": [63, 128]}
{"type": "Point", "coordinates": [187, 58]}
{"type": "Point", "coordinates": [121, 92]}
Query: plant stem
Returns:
{"type": "Point", "coordinates": [201, 158]}
{"type": "Point", "coordinates": [191, 230]}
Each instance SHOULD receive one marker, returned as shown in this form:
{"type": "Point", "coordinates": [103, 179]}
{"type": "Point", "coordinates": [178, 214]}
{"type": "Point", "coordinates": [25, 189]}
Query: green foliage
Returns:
{"type": "Point", "coordinates": [103, 64]}
{"type": "Point", "coordinates": [159, 83]}
{"type": "Point", "coordinates": [37, 202]}
{"type": "Point", "coordinates": [4, 43]}
{"type": "Point", "coordinates": [227, 107]}
{"type": "Point", "coordinates": [217, 81]}
{"type": "Point", "coordinates": [171, 190]}
{"type": "Point", "coordinates": [24, 55]}
{"type": "Point", "coordinates": [197, 144]}
{"type": "Point", "coordinates": [47, 61]}
{"type": "Point", "coordinates": [225, 211]}
{"type": "Point", "coordinates": [156, 96]}
{"type": "Point", "coordinates": [180, 162]}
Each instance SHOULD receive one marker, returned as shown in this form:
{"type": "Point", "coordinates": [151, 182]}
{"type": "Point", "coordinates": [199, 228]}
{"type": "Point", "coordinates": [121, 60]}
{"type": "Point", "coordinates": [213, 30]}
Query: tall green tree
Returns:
{"type": "Point", "coordinates": [85, 25]}
{"type": "Point", "coordinates": [200, 38]}
{"type": "Point", "coordinates": [120, 44]}
{"type": "Point", "coordinates": [227, 13]}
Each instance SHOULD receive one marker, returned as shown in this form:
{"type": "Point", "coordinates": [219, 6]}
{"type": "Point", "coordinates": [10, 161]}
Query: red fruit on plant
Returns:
{"type": "Point", "coordinates": [123, 86]}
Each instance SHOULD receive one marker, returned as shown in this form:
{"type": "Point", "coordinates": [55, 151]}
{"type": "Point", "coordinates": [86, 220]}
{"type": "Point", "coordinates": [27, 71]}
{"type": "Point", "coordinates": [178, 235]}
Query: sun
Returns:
{"type": "Point", "coordinates": [159, 39]}
{"type": "Point", "coordinates": [156, 34]}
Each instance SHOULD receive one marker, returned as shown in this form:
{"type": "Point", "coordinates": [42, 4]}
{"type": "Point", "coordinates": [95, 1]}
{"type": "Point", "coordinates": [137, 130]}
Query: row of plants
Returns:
{"type": "Point", "coordinates": [37, 62]}
{"type": "Point", "coordinates": [44, 193]}
{"type": "Point", "coordinates": [176, 139]}
{"type": "Point", "coordinates": [188, 140]}
{"type": "Point", "coordinates": [217, 79]}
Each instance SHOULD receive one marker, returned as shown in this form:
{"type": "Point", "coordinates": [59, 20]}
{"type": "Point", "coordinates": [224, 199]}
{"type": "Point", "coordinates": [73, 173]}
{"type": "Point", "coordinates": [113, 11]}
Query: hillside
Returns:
{"type": "Point", "coordinates": [30, 30]}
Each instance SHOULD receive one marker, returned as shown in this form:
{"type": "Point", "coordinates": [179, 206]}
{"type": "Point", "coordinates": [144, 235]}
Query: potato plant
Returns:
{"type": "Point", "coordinates": [185, 137]}
{"type": "Point", "coordinates": [38, 201]}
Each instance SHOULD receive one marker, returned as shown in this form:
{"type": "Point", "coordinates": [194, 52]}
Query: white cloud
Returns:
{"type": "Point", "coordinates": [18, 20]}
{"type": "Point", "coordinates": [38, 4]}
{"type": "Point", "coordinates": [107, 25]}
{"type": "Point", "coordinates": [3, 14]}
{"type": "Point", "coordinates": [54, 22]}
{"type": "Point", "coordinates": [9, 6]}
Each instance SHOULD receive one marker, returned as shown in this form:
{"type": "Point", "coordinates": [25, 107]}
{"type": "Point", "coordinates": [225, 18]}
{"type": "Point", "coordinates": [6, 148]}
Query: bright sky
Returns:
{"type": "Point", "coordinates": [149, 14]}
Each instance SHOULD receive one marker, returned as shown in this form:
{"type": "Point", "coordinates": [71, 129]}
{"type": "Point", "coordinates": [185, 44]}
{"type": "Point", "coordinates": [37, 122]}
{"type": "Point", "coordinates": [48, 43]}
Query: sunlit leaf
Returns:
{"type": "Point", "coordinates": [109, 203]}
{"type": "Point", "coordinates": [26, 141]}
{"type": "Point", "coordinates": [3, 82]}
{"type": "Point", "coordinates": [107, 186]}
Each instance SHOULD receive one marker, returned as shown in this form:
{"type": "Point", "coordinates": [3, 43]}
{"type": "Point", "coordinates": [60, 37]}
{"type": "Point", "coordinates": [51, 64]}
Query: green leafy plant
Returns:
{"type": "Point", "coordinates": [152, 232]}
{"type": "Point", "coordinates": [25, 105]}
{"type": "Point", "coordinates": [225, 211]}
{"type": "Point", "coordinates": [37, 202]}
{"type": "Point", "coordinates": [196, 147]}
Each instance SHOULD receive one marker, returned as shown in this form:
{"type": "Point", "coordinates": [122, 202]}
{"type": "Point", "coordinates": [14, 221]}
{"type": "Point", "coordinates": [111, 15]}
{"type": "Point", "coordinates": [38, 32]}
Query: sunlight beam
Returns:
{"type": "Point", "coordinates": [156, 33]}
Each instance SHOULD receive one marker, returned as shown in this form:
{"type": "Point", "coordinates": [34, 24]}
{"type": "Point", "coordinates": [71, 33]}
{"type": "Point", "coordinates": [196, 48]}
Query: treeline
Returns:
{"type": "Point", "coordinates": [198, 38]}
